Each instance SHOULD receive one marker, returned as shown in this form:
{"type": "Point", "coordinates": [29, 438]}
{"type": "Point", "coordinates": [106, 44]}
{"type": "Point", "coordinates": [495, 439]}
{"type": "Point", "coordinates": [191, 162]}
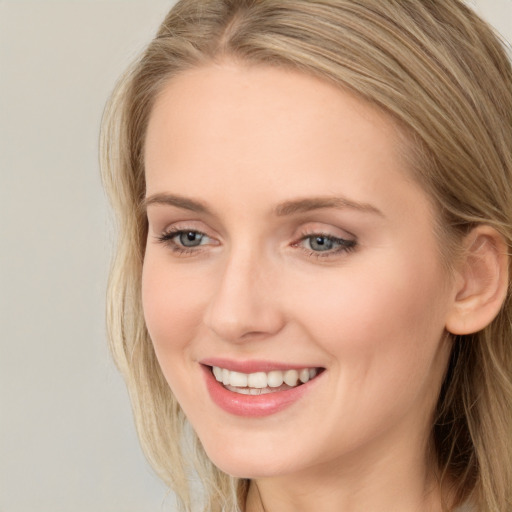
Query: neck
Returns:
{"type": "Point", "coordinates": [265, 496]}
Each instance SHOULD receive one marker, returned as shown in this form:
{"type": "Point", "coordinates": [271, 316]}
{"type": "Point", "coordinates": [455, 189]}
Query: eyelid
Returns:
{"type": "Point", "coordinates": [174, 231]}
{"type": "Point", "coordinates": [324, 229]}
{"type": "Point", "coordinates": [346, 242]}
{"type": "Point", "coordinates": [167, 238]}
{"type": "Point", "coordinates": [341, 241]}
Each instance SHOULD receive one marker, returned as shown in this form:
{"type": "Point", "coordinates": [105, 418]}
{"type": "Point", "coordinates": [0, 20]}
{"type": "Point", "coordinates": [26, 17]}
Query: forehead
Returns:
{"type": "Point", "coordinates": [259, 98]}
{"type": "Point", "coordinates": [232, 129]}
{"type": "Point", "coordinates": [251, 112]}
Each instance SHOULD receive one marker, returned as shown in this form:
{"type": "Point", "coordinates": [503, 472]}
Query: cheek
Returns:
{"type": "Point", "coordinates": [172, 304]}
{"type": "Point", "coordinates": [383, 323]}
{"type": "Point", "coordinates": [382, 331]}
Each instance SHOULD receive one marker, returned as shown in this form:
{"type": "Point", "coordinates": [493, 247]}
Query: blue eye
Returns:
{"type": "Point", "coordinates": [184, 241]}
{"type": "Point", "coordinates": [326, 245]}
{"type": "Point", "coordinates": [189, 238]}
{"type": "Point", "coordinates": [320, 243]}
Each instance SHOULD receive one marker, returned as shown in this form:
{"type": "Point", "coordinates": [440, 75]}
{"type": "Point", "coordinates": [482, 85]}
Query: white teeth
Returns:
{"type": "Point", "coordinates": [261, 382]}
{"type": "Point", "coordinates": [217, 372]}
{"type": "Point", "coordinates": [304, 375]}
{"type": "Point", "coordinates": [275, 379]}
{"type": "Point", "coordinates": [291, 377]}
{"type": "Point", "coordinates": [238, 379]}
{"type": "Point", "coordinates": [257, 380]}
{"type": "Point", "coordinates": [249, 391]}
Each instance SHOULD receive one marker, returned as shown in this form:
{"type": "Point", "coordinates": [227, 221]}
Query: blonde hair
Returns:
{"type": "Point", "coordinates": [443, 75]}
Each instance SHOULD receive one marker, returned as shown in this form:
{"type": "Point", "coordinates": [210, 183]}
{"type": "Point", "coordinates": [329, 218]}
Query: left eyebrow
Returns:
{"type": "Point", "coordinates": [318, 203]}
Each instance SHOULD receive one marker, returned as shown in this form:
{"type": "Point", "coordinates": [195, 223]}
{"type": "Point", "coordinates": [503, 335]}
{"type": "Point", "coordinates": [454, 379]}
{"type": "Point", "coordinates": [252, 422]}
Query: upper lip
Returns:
{"type": "Point", "coordinates": [252, 366]}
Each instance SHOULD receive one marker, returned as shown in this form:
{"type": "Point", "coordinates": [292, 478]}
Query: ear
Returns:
{"type": "Point", "coordinates": [481, 283]}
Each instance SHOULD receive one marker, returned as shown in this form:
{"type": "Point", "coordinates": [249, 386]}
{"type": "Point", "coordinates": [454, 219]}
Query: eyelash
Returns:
{"type": "Point", "coordinates": [344, 245]}
{"type": "Point", "coordinates": [167, 239]}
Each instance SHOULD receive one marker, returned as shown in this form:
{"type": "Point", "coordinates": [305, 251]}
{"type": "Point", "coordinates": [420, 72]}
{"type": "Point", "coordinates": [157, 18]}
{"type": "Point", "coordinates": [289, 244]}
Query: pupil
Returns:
{"type": "Point", "coordinates": [190, 239]}
{"type": "Point", "coordinates": [321, 243]}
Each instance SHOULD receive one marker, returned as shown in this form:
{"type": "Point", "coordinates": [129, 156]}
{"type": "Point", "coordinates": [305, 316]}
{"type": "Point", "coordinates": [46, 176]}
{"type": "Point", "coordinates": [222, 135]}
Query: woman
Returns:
{"type": "Point", "coordinates": [314, 204]}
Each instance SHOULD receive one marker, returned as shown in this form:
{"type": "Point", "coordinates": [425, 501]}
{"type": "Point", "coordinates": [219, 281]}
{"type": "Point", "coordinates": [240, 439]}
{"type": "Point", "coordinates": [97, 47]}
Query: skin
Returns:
{"type": "Point", "coordinates": [242, 141]}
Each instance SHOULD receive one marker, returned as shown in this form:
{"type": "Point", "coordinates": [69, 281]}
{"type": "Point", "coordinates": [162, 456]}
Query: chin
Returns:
{"type": "Point", "coordinates": [240, 462]}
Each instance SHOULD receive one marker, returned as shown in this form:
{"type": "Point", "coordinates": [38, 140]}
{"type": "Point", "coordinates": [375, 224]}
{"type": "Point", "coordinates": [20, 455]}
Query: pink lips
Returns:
{"type": "Point", "coordinates": [251, 405]}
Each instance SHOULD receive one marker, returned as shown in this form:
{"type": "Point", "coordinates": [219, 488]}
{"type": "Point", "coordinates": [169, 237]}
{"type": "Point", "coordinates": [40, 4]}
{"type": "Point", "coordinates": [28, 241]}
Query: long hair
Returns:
{"type": "Point", "coordinates": [442, 74]}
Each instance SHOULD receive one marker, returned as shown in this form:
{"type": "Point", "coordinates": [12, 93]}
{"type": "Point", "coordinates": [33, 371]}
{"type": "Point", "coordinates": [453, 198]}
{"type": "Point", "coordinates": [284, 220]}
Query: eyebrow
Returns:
{"type": "Point", "coordinates": [318, 203]}
{"type": "Point", "coordinates": [184, 203]}
{"type": "Point", "coordinates": [282, 210]}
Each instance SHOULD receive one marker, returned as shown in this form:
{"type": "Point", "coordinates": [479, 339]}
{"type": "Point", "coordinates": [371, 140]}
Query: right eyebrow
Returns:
{"type": "Point", "coordinates": [317, 203]}
{"type": "Point", "coordinates": [174, 200]}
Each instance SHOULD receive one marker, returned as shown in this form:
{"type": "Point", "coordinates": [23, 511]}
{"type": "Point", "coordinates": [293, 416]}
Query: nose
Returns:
{"type": "Point", "coordinates": [245, 304]}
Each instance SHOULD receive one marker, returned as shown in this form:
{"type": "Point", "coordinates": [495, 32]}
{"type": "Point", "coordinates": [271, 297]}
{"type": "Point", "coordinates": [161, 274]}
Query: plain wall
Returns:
{"type": "Point", "coordinates": [67, 441]}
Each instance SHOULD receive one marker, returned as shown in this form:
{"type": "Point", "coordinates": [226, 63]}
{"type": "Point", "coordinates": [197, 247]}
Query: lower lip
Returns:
{"type": "Point", "coordinates": [253, 406]}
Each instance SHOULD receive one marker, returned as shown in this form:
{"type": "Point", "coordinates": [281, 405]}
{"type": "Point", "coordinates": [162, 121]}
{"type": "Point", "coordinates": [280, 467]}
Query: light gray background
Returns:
{"type": "Point", "coordinates": [67, 442]}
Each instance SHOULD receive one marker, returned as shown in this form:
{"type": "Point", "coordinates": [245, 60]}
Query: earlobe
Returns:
{"type": "Point", "coordinates": [482, 282]}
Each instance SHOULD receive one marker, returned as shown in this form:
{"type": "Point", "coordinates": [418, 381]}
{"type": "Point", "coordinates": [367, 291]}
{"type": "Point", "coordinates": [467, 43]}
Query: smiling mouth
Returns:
{"type": "Point", "coordinates": [260, 383]}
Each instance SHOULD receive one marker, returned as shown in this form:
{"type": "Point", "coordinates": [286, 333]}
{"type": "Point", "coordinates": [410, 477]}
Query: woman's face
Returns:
{"type": "Point", "coordinates": [287, 241]}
